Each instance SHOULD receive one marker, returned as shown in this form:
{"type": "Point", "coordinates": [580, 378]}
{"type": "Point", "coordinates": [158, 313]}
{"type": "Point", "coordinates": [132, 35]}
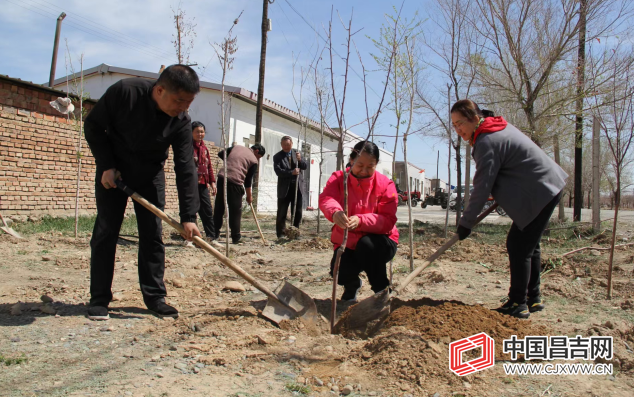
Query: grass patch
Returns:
{"type": "Point", "coordinates": [66, 226]}
{"type": "Point", "coordinates": [12, 360]}
{"type": "Point", "coordinates": [297, 388]}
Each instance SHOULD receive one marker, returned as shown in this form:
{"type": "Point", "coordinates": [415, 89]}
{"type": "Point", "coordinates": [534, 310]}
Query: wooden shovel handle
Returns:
{"type": "Point", "coordinates": [200, 242]}
{"type": "Point", "coordinates": [257, 223]}
{"type": "Point", "coordinates": [440, 251]}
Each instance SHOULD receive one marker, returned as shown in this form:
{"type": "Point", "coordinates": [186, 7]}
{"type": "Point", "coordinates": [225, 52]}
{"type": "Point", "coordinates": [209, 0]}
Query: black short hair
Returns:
{"type": "Point", "coordinates": [259, 148]}
{"type": "Point", "coordinates": [286, 137]}
{"type": "Point", "coordinates": [197, 124]}
{"type": "Point", "coordinates": [367, 146]}
{"type": "Point", "coordinates": [179, 78]}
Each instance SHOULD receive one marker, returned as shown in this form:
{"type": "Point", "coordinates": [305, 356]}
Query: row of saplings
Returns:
{"type": "Point", "coordinates": [438, 198]}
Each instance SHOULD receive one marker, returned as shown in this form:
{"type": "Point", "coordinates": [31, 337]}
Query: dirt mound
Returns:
{"type": "Point", "coordinates": [413, 344]}
{"type": "Point", "coordinates": [467, 250]}
{"type": "Point", "coordinates": [292, 233]}
{"type": "Point", "coordinates": [314, 243]}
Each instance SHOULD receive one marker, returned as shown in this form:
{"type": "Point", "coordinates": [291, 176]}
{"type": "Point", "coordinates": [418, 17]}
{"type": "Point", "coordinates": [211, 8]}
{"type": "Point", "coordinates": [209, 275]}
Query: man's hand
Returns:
{"type": "Point", "coordinates": [214, 189]}
{"type": "Point", "coordinates": [463, 232]}
{"type": "Point", "coordinates": [299, 156]}
{"type": "Point", "coordinates": [190, 231]}
{"type": "Point", "coordinates": [249, 196]}
{"type": "Point", "coordinates": [296, 171]}
{"type": "Point", "coordinates": [108, 178]}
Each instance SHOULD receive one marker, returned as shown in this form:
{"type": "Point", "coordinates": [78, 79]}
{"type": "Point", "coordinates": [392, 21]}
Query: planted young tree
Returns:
{"type": "Point", "coordinates": [323, 96]}
{"type": "Point", "coordinates": [339, 101]}
{"type": "Point", "coordinates": [225, 53]}
{"type": "Point", "coordinates": [614, 110]}
{"type": "Point", "coordinates": [185, 33]}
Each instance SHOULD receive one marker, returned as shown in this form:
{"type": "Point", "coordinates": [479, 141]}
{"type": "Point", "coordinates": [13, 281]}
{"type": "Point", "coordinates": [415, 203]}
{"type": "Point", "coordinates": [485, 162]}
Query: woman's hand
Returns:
{"type": "Point", "coordinates": [353, 222]}
{"type": "Point", "coordinates": [214, 190]}
{"type": "Point", "coordinates": [340, 219]}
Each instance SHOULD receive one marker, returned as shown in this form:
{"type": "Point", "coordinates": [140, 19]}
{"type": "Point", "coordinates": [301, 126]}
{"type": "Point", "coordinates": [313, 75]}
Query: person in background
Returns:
{"type": "Point", "coordinates": [205, 178]}
{"type": "Point", "coordinates": [525, 182]}
{"type": "Point", "coordinates": [130, 130]}
{"type": "Point", "coordinates": [242, 163]}
{"type": "Point", "coordinates": [371, 221]}
{"type": "Point", "coordinates": [287, 164]}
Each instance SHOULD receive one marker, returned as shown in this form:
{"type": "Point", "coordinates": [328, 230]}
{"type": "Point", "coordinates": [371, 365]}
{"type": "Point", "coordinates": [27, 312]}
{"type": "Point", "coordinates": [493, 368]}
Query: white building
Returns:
{"type": "Point", "coordinates": [277, 121]}
{"type": "Point", "coordinates": [417, 180]}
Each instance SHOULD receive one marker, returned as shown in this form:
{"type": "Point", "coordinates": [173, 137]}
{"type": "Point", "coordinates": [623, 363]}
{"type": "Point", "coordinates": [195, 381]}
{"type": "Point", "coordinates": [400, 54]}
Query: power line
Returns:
{"type": "Point", "coordinates": [326, 41]}
{"type": "Point", "coordinates": [72, 24]}
{"type": "Point", "coordinates": [99, 26]}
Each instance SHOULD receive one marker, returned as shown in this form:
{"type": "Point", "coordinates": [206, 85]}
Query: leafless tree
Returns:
{"type": "Point", "coordinates": [185, 34]}
{"type": "Point", "coordinates": [225, 53]}
{"type": "Point", "coordinates": [614, 109]}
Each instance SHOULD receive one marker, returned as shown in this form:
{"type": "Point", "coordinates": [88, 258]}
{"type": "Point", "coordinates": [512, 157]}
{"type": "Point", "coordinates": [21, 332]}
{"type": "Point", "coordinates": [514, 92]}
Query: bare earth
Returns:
{"type": "Point", "coordinates": [222, 346]}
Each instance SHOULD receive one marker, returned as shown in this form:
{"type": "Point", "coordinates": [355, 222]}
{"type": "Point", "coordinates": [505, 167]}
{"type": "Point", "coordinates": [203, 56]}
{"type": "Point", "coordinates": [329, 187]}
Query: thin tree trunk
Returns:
{"type": "Point", "coordinates": [448, 160]}
{"type": "Point", "coordinates": [81, 130]}
{"type": "Point", "coordinates": [458, 183]}
{"type": "Point", "coordinates": [260, 100]}
{"type": "Point", "coordinates": [409, 207]}
{"type": "Point", "coordinates": [467, 176]}
{"type": "Point", "coordinates": [225, 138]}
{"type": "Point", "coordinates": [617, 200]}
{"type": "Point", "coordinates": [557, 150]}
{"type": "Point", "coordinates": [321, 162]}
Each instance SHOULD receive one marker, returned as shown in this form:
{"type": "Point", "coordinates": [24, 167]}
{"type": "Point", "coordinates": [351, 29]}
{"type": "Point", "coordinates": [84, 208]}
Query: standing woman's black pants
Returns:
{"type": "Point", "coordinates": [525, 255]}
{"type": "Point", "coordinates": [206, 211]}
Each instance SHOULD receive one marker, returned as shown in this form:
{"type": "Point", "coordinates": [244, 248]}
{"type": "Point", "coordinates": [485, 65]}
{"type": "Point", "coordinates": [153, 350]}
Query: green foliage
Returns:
{"type": "Point", "coordinates": [297, 388]}
{"type": "Point", "coordinates": [12, 361]}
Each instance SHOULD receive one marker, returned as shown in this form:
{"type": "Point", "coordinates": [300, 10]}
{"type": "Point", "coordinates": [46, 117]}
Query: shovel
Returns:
{"type": "Point", "coordinates": [368, 315]}
{"type": "Point", "coordinates": [255, 217]}
{"type": "Point", "coordinates": [8, 230]}
{"type": "Point", "coordinates": [288, 302]}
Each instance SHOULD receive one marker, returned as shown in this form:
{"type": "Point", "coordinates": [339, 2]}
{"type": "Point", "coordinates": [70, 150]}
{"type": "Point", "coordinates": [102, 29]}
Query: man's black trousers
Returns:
{"type": "Point", "coordinates": [205, 211]}
{"type": "Point", "coordinates": [525, 255]}
{"type": "Point", "coordinates": [372, 253]}
{"type": "Point", "coordinates": [111, 204]}
{"type": "Point", "coordinates": [282, 209]}
{"type": "Point", "coordinates": [234, 201]}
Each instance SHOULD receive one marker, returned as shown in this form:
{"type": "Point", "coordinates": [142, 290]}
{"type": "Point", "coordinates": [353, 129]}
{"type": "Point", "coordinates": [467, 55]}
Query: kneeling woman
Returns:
{"type": "Point", "coordinates": [371, 220]}
{"type": "Point", "coordinates": [525, 182]}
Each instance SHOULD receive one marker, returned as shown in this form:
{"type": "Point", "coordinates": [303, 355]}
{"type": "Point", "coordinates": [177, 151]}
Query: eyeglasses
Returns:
{"type": "Point", "coordinates": [458, 123]}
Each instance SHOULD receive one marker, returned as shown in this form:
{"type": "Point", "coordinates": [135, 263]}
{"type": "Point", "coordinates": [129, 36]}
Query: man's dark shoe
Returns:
{"type": "Point", "coordinates": [350, 292]}
{"type": "Point", "coordinates": [236, 240]}
{"type": "Point", "coordinates": [98, 313]}
{"type": "Point", "coordinates": [535, 304]}
{"type": "Point", "coordinates": [162, 309]}
{"type": "Point", "coordinates": [510, 308]}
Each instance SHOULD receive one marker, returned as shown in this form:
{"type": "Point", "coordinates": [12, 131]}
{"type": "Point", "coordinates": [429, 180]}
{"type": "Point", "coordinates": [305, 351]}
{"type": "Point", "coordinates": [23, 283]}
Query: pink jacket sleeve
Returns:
{"type": "Point", "coordinates": [383, 221]}
{"type": "Point", "coordinates": [329, 198]}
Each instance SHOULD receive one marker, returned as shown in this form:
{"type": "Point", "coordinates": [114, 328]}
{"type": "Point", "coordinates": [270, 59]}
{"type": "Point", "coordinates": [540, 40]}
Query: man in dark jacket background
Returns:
{"type": "Point", "coordinates": [288, 164]}
{"type": "Point", "coordinates": [130, 130]}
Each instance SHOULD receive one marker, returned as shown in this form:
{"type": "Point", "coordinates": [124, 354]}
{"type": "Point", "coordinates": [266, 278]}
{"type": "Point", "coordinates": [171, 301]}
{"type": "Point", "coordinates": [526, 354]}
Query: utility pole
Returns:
{"type": "Point", "coordinates": [258, 110]}
{"type": "Point", "coordinates": [58, 28]}
{"type": "Point", "coordinates": [437, 162]}
{"type": "Point", "coordinates": [581, 67]}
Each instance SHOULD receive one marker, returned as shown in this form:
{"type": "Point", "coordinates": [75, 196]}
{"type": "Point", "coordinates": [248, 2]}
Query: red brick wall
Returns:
{"type": "Point", "coordinates": [38, 162]}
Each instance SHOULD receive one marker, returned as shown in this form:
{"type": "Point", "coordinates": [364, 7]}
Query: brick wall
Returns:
{"type": "Point", "coordinates": [38, 161]}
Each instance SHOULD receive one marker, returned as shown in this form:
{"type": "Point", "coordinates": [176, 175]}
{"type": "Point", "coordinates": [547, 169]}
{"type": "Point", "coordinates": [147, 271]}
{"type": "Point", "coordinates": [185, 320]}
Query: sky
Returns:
{"type": "Point", "coordinates": [138, 34]}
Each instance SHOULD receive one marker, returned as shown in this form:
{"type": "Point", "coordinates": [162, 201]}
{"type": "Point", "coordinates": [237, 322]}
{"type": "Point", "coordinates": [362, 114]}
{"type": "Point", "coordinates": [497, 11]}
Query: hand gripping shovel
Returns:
{"type": "Point", "coordinates": [367, 316]}
{"type": "Point", "coordinates": [288, 302]}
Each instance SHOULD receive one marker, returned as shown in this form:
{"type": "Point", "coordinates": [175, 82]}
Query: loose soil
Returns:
{"type": "Point", "coordinates": [222, 346]}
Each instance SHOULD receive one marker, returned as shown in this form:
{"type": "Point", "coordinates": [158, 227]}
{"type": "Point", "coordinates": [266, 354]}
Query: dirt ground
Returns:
{"type": "Point", "coordinates": [222, 346]}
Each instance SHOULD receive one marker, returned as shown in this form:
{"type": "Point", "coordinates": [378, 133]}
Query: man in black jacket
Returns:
{"type": "Point", "coordinates": [130, 130]}
{"type": "Point", "coordinates": [287, 164]}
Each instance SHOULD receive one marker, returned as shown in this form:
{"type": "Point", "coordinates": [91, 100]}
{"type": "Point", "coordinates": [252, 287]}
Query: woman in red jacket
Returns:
{"type": "Point", "coordinates": [371, 220]}
{"type": "Point", "coordinates": [205, 178]}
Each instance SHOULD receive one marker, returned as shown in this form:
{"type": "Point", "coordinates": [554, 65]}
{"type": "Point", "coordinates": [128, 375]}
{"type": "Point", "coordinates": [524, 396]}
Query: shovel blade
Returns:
{"type": "Point", "coordinates": [364, 318]}
{"type": "Point", "coordinates": [303, 304]}
{"type": "Point", "coordinates": [10, 231]}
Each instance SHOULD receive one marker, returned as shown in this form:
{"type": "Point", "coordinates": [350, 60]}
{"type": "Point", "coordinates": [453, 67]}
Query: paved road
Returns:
{"type": "Point", "coordinates": [435, 214]}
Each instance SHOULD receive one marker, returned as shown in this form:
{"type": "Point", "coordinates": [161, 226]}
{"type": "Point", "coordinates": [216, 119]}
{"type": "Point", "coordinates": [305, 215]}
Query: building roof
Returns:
{"type": "Point", "coordinates": [238, 92]}
{"type": "Point", "coordinates": [411, 165]}
{"type": "Point", "coordinates": [40, 87]}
